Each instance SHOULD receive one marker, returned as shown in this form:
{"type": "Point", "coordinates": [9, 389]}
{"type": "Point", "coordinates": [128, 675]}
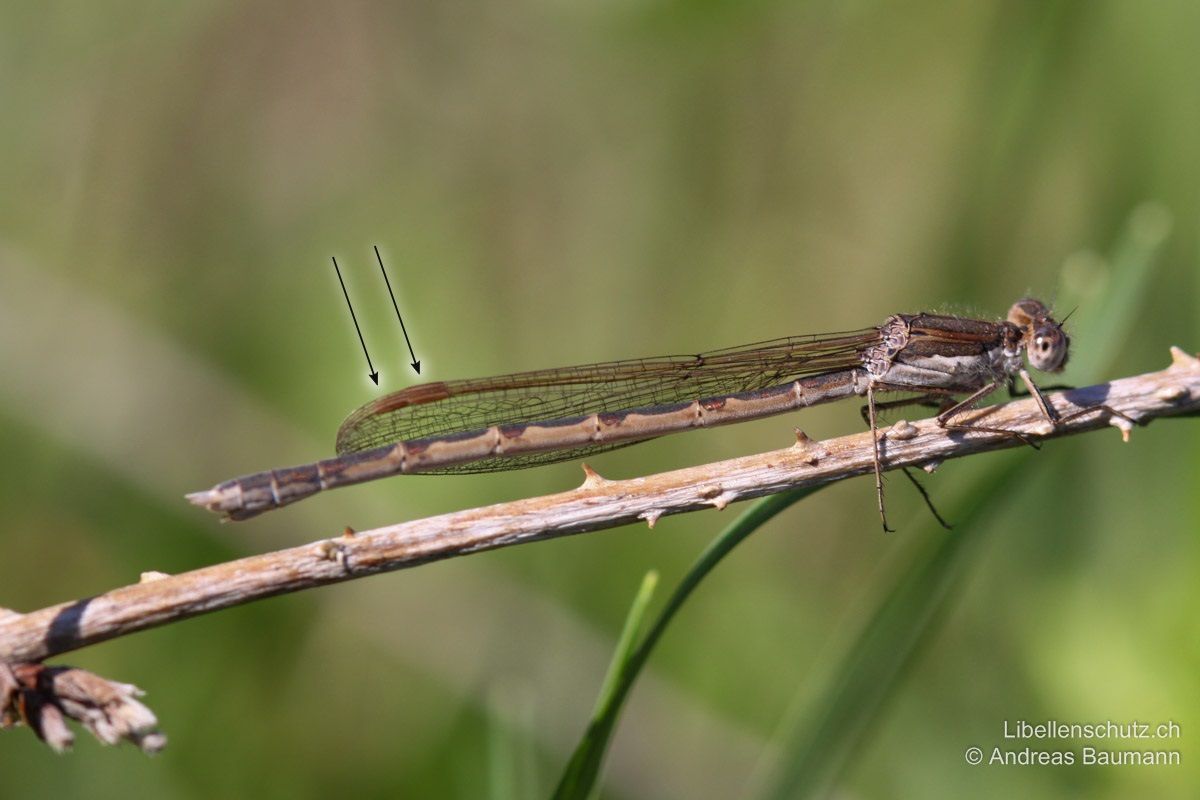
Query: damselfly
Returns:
{"type": "Point", "coordinates": [530, 418]}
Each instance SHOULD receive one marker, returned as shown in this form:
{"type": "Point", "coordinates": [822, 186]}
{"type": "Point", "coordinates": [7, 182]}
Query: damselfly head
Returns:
{"type": "Point", "coordinates": [1045, 342]}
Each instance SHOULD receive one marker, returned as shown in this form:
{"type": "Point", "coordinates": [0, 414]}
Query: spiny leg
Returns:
{"type": "Point", "coordinates": [926, 498]}
{"type": "Point", "coordinates": [944, 399]}
{"type": "Point", "coordinates": [929, 400]}
{"type": "Point", "coordinates": [1034, 391]}
{"type": "Point", "coordinates": [969, 402]}
{"type": "Point", "coordinates": [966, 404]}
{"type": "Point", "coordinates": [951, 408]}
{"type": "Point", "coordinates": [875, 445]}
{"type": "Point", "coordinates": [1054, 417]}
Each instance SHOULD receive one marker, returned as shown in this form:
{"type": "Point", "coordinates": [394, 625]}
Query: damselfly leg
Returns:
{"type": "Point", "coordinates": [869, 412]}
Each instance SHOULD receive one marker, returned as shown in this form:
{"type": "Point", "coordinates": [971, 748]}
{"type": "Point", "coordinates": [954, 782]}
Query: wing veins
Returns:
{"type": "Point", "coordinates": [450, 407]}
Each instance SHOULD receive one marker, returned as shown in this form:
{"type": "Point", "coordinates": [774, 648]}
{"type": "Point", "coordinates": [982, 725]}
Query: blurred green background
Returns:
{"type": "Point", "coordinates": [554, 183]}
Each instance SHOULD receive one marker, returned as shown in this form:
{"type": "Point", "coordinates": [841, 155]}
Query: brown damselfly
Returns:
{"type": "Point", "coordinates": [530, 418]}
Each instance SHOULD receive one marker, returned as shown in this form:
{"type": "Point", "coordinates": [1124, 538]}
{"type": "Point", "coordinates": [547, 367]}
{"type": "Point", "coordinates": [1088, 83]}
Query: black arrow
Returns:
{"type": "Point", "coordinates": [415, 364]}
{"type": "Point", "coordinates": [374, 374]}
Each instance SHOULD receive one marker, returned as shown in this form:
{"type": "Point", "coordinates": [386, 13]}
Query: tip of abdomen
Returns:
{"type": "Point", "coordinates": [230, 501]}
{"type": "Point", "coordinates": [251, 495]}
{"type": "Point", "coordinates": [243, 498]}
{"type": "Point", "coordinates": [218, 500]}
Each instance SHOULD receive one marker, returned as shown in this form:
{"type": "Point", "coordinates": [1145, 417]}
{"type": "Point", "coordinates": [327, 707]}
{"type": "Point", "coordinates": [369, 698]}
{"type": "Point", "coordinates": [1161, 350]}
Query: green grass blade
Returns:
{"type": "Point", "coordinates": [581, 773]}
{"type": "Point", "coordinates": [579, 778]}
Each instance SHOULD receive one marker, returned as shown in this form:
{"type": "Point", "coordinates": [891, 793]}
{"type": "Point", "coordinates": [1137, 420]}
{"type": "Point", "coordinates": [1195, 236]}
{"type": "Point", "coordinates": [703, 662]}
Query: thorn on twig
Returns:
{"type": "Point", "coordinates": [1123, 425]}
{"type": "Point", "coordinates": [930, 467]}
{"type": "Point", "coordinates": [719, 497]}
{"type": "Point", "coordinates": [152, 575]}
{"type": "Point", "coordinates": [592, 479]}
{"type": "Point", "coordinates": [44, 697]}
{"type": "Point", "coordinates": [812, 452]}
{"type": "Point", "coordinates": [652, 516]}
{"type": "Point", "coordinates": [349, 532]}
{"type": "Point", "coordinates": [1181, 359]}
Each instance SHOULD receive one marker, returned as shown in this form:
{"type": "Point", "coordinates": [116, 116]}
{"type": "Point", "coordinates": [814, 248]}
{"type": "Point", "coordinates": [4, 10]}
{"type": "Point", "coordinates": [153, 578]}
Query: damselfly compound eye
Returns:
{"type": "Point", "coordinates": [1048, 348]}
